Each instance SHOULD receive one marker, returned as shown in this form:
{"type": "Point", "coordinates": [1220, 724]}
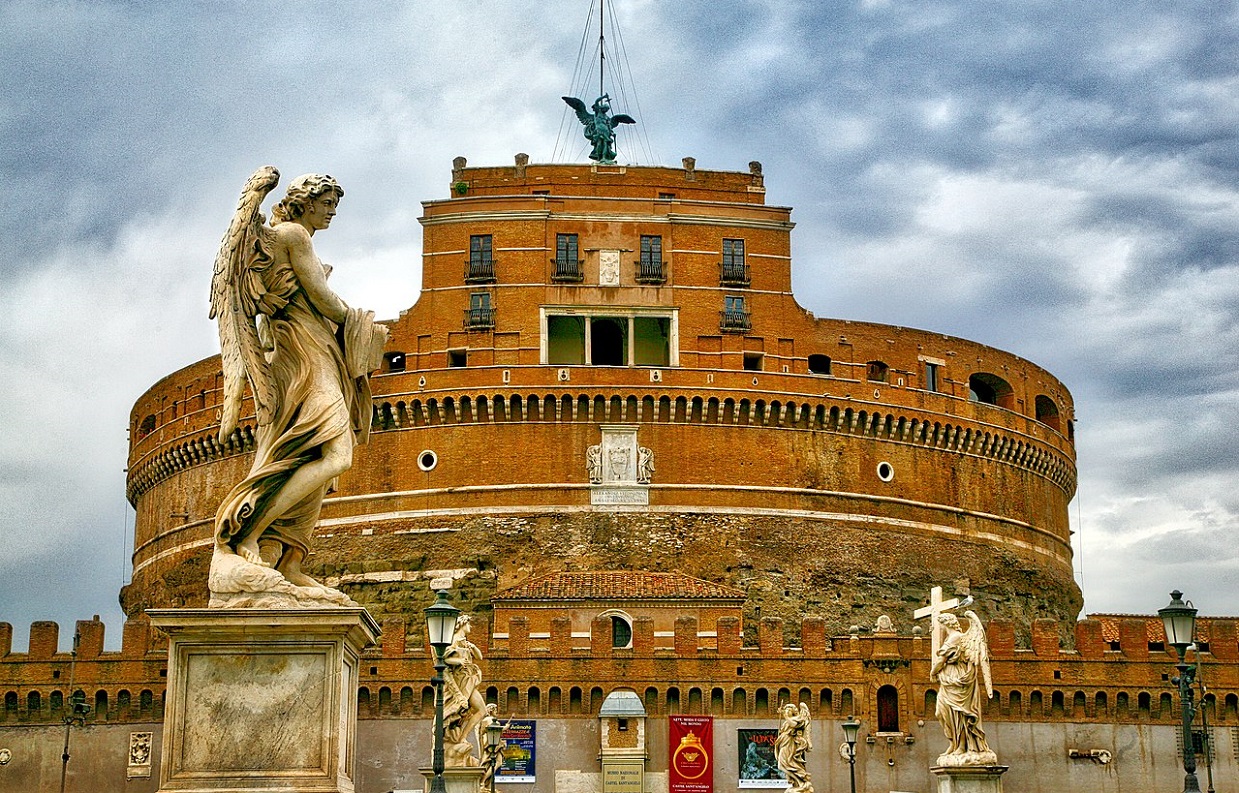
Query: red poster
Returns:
{"type": "Point", "coordinates": [691, 765]}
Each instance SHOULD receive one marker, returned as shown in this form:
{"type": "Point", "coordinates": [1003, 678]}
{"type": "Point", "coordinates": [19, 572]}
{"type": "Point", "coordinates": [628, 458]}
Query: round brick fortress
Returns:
{"type": "Point", "coordinates": [828, 468]}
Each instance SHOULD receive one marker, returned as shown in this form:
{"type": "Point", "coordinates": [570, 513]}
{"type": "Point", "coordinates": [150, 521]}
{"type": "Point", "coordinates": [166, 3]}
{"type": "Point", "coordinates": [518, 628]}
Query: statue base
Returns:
{"type": "Point", "coordinates": [261, 700]}
{"type": "Point", "coordinates": [969, 778]}
{"type": "Point", "coordinates": [457, 780]}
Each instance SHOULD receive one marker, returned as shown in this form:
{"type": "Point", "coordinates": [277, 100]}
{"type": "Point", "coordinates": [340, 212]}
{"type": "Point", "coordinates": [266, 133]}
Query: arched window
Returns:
{"type": "Point", "coordinates": [621, 632]}
{"type": "Point", "coordinates": [990, 389]}
{"type": "Point", "coordinates": [819, 364]}
{"type": "Point", "coordinates": [739, 702]}
{"type": "Point", "coordinates": [34, 703]}
{"type": "Point", "coordinates": [146, 427]}
{"type": "Point", "coordinates": [888, 709]}
{"type": "Point", "coordinates": [673, 700]}
{"type": "Point", "coordinates": [651, 700]}
{"type": "Point", "coordinates": [1047, 411]}
{"type": "Point", "coordinates": [876, 371]}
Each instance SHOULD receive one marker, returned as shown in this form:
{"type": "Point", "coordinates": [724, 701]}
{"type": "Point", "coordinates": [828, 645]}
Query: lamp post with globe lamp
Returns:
{"type": "Point", "coordinates": [1179, 621]}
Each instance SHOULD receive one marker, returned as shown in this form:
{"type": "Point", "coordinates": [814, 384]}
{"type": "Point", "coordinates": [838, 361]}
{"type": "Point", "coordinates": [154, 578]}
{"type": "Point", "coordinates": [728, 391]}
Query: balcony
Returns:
{"type": "Point", "coordinates": [480, 271]}
{"type": "Point", "coordinates": [479, 318]}
{"type": "Point", "coordinates": [734, 322]}
{"type": "Point", "coordinates": [734, 274]}
{"type": "Point", "coordinates": [567, 271]}
{"type": "Point", "coordinates": [651, 272]}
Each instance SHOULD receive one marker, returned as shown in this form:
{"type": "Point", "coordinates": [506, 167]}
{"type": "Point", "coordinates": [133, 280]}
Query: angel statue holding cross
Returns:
{"type": "Point", "coordinates": [961, 669]}
{"type": "Point", "coordinates": [306, 356]}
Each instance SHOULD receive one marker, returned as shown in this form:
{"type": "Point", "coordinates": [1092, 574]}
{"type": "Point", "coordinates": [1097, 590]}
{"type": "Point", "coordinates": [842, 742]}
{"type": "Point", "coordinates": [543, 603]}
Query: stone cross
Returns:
{"type": "Point", "coordinates": [936, 606]}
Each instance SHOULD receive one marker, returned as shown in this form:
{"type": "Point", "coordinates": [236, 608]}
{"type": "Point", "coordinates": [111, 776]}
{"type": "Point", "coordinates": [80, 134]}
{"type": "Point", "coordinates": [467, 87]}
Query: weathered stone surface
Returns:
{"type": "Point", "coordinates": [262, 699]}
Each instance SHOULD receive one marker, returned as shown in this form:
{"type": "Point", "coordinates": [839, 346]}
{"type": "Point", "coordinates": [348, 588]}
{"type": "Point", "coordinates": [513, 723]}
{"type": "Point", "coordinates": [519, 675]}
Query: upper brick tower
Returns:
{"type": "Point", "coordinates": [606, 369]}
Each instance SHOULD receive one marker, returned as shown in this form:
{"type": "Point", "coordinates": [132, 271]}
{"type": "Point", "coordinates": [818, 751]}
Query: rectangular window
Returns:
{"type": "Point", "coordinates": [479, 300]}
{"type": "Point", "coordinates": [651, 341]}
{"type": "Point", "coordinates": [480, 249]}
{"type": "Point", "coordinates": [479, 315]}
{"type": "Point", "coordinates": [610, 339]}
{"type": "Point", "coordinates": [931, 376]}
{"type": "Point", "coordinates": [752, 361]}
{"type": "Point", "coordinates": [566, 248]}
{"type": "Point", "coordinates": [651, 250]}
{"type": "Point", "coordinates": [732, 303]}
{"type": "Point", "coordinates": [733, 253]}
{"type": "Point", "coordinates": [457, 358]}
{"type": "Point", "coordinates": [481, 266]}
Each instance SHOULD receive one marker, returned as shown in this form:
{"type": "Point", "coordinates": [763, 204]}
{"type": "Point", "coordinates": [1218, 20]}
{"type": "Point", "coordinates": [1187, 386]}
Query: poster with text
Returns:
{"type": "Point", "coordinates": [758, 767]}
{"type": "Point", "coordinates": [519, 752]}
{"type": "Point", "coordinates": [690, 768]}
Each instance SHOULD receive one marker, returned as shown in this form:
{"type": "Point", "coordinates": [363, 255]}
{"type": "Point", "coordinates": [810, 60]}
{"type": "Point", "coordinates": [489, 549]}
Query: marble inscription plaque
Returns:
{"type": "Point", "coordinates": [608, 268]}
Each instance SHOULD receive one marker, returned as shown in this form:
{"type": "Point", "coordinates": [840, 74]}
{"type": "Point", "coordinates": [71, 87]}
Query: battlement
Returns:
{"type": "Point", "coordinates": [1115, 672]}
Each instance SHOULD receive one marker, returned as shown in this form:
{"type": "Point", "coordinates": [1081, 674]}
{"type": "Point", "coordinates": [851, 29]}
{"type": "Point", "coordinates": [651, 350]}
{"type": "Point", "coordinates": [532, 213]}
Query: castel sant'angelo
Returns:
{"type": "Point", "coordinates": [645, 467]}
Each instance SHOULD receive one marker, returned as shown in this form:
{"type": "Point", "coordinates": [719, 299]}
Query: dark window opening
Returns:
{"type": "Point", "coordinates": [608, 345]}
{"type": "Point", "coordinates": [457, 358]}
{"type": "Point", "coordinates": [621, 725]}
{"type": "Point", "coordinates": [147, 427]}
{"type": "Point", "coordinates": [990, 389]}
{"type": "Point", "coordinates": [888, 709]}
{"type": "Point", "coordinates": [752, 361]}
{"type": "Point", "coordinates": [621, 632]}
{"type": "Point", "coordinates": [819, 364]}
{"type": "Point", "coordinates": [931, 376]}
{"type": "Point", "coordinates": [876, 371]}
{"type": "Point", "coordinates": [1047, 411]}
{"type": "Point", "coordinates": [1157, 647]}
{"type": "Point", "coordinates": [393, 361]}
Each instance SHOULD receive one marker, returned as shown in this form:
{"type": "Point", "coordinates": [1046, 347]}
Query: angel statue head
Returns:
{"type": "Point", "coordinates": [949, 620]}
{"type": "Point", "coordinates": [302, 192]}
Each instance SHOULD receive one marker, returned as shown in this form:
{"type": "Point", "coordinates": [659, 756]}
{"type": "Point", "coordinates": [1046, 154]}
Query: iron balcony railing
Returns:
{"type": "Point", "coordinates": [480, 271]}
{"type": "Point", "coordinates": [567, 270]}
{"type": "Point", "coordinates": [734, 274]}
{"type": "Point", "coordinates": [479, 318]}
{"type": "Point", "coordinates": [734, 321]}
{"type": "Point", "coordinates": [650, 271]}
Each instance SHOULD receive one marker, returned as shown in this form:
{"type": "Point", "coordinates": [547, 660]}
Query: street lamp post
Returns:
{"type": "Point", "coordinates": [440, 626]}
{"type": "Point", "coordinates": [494, 740]}
{"type": "Point", "coordinates": [1179, 620]}
{"type": "Point", "coordinates": [850, 728]}
{"type": "Point", "coordinates": [78, 711]}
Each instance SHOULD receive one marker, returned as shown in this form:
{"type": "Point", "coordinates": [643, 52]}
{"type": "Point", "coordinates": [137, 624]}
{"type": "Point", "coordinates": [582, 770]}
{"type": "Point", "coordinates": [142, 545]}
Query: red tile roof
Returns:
{"type": "Point", "coordinates": [619, 585]}
{"type": "Point", "coordinates": [1153, 628]}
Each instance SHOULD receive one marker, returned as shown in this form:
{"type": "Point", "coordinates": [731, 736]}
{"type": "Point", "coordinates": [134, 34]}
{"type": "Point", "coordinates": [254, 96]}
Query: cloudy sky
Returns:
{"type": "Point", "coordinates": [1055, 178]}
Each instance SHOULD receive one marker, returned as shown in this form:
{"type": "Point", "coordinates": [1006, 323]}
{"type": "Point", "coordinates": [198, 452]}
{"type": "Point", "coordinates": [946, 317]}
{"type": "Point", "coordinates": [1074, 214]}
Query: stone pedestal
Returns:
{"type": "Point", "coordinates": [458, 780]}
{"type": "Point", "coordinates": [261, 699]}
{"type": "Point", "coordinates": [969, 778]}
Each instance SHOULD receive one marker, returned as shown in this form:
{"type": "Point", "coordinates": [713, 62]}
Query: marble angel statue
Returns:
{"type": "Point", "coordinates": [962, 672]}
{"type": "Point", "coordinates": [792, 745]}
{"type": "Point", "coordinates": [464, 708]}
{"type": "Point", "coordinates": [306, 356]}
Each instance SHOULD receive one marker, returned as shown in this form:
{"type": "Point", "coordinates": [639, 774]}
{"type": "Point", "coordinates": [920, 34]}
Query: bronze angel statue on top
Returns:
{"type": "Point", "coordinates": [600, 126]}
{"type": "Point", "coordinates": [306, 356]}
{"type": "Point", "coordinates": [961, 670]}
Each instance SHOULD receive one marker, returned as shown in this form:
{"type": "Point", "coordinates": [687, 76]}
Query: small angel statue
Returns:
{"type": "Point", "coordinates": [962, 673]}
{"type": "Point", "coordinates": [600, 126]}
{"type": "Point", "coordinates": [306, 356]}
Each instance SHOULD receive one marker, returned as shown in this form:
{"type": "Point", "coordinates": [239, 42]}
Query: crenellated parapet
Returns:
{"type": "Point", "coordinates": [1114, 673]}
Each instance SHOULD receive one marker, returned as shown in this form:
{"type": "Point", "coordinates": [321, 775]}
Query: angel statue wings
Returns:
{"type": "Point", "coordinates": [306, 356]}
{"type": "Point", "coordinates": [792, 745]}
{"type": "Point", "coordinates": [962, 673]}
{"type": "Point", "coordinates": [600, 126]}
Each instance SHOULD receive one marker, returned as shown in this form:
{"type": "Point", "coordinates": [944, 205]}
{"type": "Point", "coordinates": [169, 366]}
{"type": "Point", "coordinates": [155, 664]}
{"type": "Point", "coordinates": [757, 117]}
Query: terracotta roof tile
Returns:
{"type": "Point", "coordinates": [1152, 626]}
{"type": "Point", "coordinates": [619, 585]}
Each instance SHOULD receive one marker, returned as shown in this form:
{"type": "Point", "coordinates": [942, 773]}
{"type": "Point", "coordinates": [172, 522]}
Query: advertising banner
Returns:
{"type": "Point", "coordinates": [519, 752]}
{"type": "Point", "coordinates": [758, 767]}
{"type": "Point", "coordinates": [691, 765]}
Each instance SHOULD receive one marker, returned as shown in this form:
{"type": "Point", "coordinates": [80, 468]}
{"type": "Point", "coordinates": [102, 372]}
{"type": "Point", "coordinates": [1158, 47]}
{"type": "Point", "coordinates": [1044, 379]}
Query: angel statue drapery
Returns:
{"type": "Point", "coordinates": [306, 356]}
{"type": "Point", "coordinates": [792, 745]}
{"type": "Point", "coordinates": [599, 126]}
{"type": "Point", "coordinates": [962, 672]}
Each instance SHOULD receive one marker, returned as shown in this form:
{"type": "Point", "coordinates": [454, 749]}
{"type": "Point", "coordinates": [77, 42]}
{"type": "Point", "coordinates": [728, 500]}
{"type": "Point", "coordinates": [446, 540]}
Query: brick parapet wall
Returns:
{"type": "Point", "coordinates": [709, 674]}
